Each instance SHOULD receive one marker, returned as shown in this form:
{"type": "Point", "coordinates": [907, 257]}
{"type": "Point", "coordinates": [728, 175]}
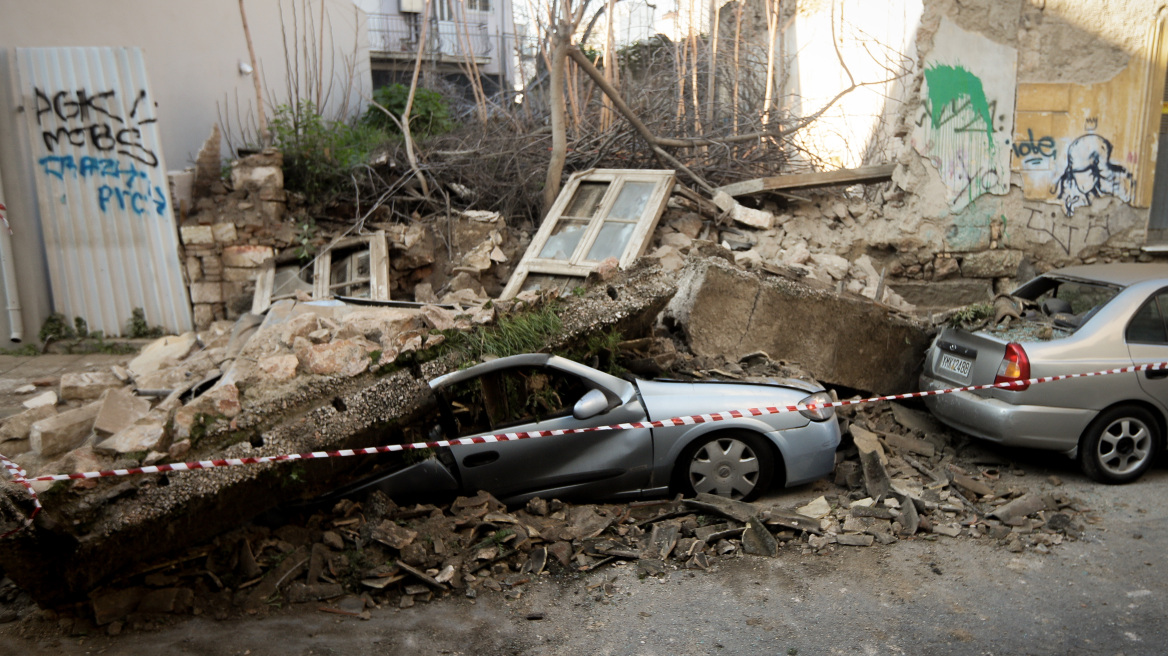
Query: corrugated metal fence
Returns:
{"type": "Point", "coordinates": [102, 194]}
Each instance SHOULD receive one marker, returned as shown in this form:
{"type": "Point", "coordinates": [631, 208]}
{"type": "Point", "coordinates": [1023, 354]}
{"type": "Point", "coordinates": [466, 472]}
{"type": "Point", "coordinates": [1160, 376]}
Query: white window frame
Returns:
{"type": "Point", "coordinates": [577, 265]}
{"type": "Point", "coordinates": [322, 285]}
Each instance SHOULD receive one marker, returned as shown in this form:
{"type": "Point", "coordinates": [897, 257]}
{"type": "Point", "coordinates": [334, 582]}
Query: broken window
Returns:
{"type": "Point", "coordinates": [355, 267]}
{"type": "Point", "coordinates": [599, 214]}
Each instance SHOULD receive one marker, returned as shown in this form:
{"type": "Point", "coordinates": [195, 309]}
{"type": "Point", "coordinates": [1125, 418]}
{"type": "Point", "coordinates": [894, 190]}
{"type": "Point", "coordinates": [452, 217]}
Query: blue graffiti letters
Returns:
{"type": "Point", "coordinates": [60, 165]}
{"type": "Point", "coordinates": [135, 201]}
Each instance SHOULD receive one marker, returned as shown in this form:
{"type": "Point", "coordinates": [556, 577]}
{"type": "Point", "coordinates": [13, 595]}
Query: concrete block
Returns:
{"type": "Point", "coordinates": [18, 426]}
{"type": "Point", "coordinates": [63, 432]}
{"type": "Point", "coordinates": [119, 409]}
{"type": "Point", "coordinates": [197, 235]}
{"type": "Point", "coordinates": [224, 233]}
{"type": "Point", "coordinates": [147, 436]}
{"type": "Point", "coordinates": [246, 256]}
{"type": "Point", "coordinates": [206, 292]}
{"type": "Point", "coordinates": [838, 339]}
{"type": "Point", "coordinates": [48, 398]}
{"type": "Point", "coordinates": [86, 386]}
{"type": "Point", "coordinates": [162, 352]}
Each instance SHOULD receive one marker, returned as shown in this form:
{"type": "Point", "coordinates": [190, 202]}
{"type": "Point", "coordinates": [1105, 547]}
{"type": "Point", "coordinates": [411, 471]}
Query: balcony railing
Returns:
{"type": "Point", "coordinates": [394, 34]}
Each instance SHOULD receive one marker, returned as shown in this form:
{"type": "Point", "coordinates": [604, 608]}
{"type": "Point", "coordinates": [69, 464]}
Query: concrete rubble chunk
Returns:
{"type": "Point", "coordinates": [855, 539]}
{"type": "Point", "coordinates": [167, 601]}
{"type": "Point", "coordinates": [62, 432]}
{"type": "Point", "coordinates": [18, 426]}
{"type": "Point", "coordinates": [662, 540]}
{"type": "Point", "coordinates": [914, 420]}
{"type": "Point", "coordinates": [163, 352]}
{"type": "Point", "coordinates": [344, 357]}
{"type": "Point", "coordinates": [279, 367]}
{"type": "Point", "coordinates": [439, 318]}
{"type": "Point", "coordinates": [816, 509]}
{"type": "Point", "coordinates": [147, 436]}
{"type": "Point", "coordinates": [86, 386]}
{"type": "Point", "coordinates": [119, 409]}
{"type": "Point", "coordinates": [947, 529]}
{"type": "Point", "coordinates": [739, 511]}
{"type": "Point", "coordinates": [872, 462]}
{"type": "Point", "coordinates": [760, 219]}
{"type": "Point", "coordinates": [910, 444]}
{"type": "Point", "coordinates": [392, 535]}
{"type": "Point", "coordinates": [276, 579]}
{"type": "Point", "coordinates": [1027, 504]}
{"type": "Point", "coordinates": [41, 400]}
{"type": "Point", "coordinates": [972, 485]}
{"type": "Point", "coordinates": [757, 540]}
{"type": "Point", "coordinates": [115, 605]}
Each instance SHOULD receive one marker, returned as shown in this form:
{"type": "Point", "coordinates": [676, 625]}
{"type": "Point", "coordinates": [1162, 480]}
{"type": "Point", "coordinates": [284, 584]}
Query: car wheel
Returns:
{"type": "Point", "coordinates": [738, 465]}
{"type": "Point", "coordinates": [1120, 445]}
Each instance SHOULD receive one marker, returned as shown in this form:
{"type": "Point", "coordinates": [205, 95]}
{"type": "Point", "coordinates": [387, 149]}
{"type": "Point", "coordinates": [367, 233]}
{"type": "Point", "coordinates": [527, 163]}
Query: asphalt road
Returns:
{"type": "Point", "coordinates": [1104, 594]}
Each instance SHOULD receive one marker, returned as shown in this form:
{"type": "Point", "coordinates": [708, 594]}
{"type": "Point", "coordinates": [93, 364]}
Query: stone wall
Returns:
{"type": "Point", "coordinates": [230, 233]}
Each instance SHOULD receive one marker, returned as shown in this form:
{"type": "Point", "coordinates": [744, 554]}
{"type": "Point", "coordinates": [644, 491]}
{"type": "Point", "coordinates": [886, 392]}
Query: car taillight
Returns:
{"type": "Point", "coordinates": [1015, 366]}
{"type": "Point", "coordinates": [819, 413]}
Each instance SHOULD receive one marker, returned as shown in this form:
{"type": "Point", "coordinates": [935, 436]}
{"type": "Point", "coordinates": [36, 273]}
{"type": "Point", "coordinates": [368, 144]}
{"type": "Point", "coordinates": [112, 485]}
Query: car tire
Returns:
{"type": "Point", "coordinates": [735, 464]}
{"type": "Point", "coordinates": [1120, 445]}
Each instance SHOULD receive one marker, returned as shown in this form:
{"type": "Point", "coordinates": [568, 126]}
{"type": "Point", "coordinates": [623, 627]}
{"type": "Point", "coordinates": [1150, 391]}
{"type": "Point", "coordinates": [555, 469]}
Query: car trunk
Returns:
{"type": "Point", "coordinates": [963, 358]}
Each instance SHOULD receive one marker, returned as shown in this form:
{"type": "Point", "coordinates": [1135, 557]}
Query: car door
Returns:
{"type": "Point", "coordinates": [526, 399]}
{"type": "Point", "coordinates": [1147, 342]}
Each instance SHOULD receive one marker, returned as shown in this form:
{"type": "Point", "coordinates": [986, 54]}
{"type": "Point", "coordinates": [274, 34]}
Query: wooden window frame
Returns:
{"type": "Point", "coordinates": [322, 284]}
{"type": "Point", "coordinates": [577, 265]}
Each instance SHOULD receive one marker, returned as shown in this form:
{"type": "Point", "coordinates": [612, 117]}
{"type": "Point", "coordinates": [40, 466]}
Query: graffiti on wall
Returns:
{"type": "Point", "coordinates": [966, 117]}
{"type": "Point", "coordinates": [96, 136]}
{"type": "Point", "coordinates": [1070, 236]}
{"type": "Point", "coordinates": [1090, 173]}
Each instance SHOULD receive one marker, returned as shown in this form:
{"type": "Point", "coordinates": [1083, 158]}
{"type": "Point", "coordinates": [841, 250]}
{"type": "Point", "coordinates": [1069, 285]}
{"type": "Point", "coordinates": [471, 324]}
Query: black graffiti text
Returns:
{"type": "Point", "coordinates": [90, 122]}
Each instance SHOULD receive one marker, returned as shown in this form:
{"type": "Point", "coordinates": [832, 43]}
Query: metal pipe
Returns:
{"type": "Point", "coordinates": [8, 272]}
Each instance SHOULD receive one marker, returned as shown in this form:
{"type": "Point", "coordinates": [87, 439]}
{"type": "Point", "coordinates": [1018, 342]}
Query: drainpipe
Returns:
{"type": "Point", "coordinates": [8, 272]}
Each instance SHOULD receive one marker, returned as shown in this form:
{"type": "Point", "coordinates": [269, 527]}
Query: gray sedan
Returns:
{"type": "Point", "coordinates": [1073, 320]}
{"type": "Point", "coordinates": [739, 458]}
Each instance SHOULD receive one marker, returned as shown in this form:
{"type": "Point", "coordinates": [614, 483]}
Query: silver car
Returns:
{"type": "Point", "coordinates": [739, 458]}
{"type": "Point", "coordinates": [1072, 320]}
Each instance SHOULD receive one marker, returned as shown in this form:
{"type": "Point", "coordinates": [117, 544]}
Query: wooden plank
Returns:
{"type": "Point", "coordinates": [862, 175]}
{"type": "Point", "coordinates": [379, 266]}
{"type": "Point", "coordinates": [262, 300]}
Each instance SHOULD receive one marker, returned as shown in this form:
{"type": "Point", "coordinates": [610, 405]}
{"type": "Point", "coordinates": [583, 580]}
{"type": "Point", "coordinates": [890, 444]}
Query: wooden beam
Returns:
{"type": "Point", "coordinates": [862, 175]}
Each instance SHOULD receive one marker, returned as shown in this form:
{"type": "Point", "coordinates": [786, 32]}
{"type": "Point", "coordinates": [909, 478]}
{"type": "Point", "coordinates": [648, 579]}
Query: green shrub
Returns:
{"type": "Point", "coordinates": [428, 115]}
{"type": "Point", "coordinates": [318, 153]}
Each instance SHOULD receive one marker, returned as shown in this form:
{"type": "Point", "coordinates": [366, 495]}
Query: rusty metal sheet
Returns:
{"type": "Point", "coordinates": [102, 192]}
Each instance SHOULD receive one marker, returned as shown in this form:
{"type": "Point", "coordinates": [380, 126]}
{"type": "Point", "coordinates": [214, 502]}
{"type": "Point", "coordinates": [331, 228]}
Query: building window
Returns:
{"type": "Point", "coordinates": [599, 214]}
{"type": "Point", "coordinates": [479, 5]}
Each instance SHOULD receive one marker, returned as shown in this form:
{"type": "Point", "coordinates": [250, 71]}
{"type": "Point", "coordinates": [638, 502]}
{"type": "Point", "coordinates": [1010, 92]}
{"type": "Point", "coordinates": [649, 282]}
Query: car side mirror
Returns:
{"type": "Point", "coordinates": [591, 404]}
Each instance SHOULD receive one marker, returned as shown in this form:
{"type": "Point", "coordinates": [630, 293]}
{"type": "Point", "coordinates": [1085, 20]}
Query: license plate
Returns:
{"type": "Point", "coordinates": [955, 365]}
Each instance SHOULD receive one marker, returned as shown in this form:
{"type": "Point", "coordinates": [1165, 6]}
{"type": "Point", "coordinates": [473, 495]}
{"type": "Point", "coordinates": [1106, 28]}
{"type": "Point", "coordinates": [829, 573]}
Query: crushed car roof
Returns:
{"type": "Point", "coordinates": [1119, 273]}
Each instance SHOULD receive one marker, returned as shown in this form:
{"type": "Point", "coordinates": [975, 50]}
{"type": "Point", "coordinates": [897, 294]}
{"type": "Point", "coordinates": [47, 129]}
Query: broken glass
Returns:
{"type": "Point", "coordinates": [562, 242]}
{"type": "Point", "coordinates": [611, 242]}
{"type": "Point", "coordinates": [586, 200]}
{"type": "Point", "coordinates": [632, 200]}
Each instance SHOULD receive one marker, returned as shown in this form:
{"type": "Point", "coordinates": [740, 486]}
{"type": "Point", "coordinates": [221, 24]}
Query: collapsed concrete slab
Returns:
{"type": "Point", "coordinates": [88, 533]}
{"type": "Point", "coordinates": [841, 339]}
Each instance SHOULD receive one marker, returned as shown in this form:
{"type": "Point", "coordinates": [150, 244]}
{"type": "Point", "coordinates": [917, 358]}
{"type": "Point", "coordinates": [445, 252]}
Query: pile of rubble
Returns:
{"type": "Point", "coordinates": [903, 478]}
{"type": "Point", "coordinates": [803, 242]}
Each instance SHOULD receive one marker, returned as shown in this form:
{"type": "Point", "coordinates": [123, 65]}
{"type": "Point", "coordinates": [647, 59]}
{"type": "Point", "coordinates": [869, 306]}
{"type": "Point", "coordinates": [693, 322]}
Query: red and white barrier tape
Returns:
{"type": "Point", "coordinates": [18, 474]}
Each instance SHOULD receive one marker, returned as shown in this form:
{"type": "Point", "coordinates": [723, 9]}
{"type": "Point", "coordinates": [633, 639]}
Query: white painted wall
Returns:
{"type": "Point", "coordinates": [872, 37]}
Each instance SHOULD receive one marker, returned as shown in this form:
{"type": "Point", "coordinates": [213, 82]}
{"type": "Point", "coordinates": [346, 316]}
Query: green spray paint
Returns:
{"type": "Point", "coordinates": [949, 83]}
